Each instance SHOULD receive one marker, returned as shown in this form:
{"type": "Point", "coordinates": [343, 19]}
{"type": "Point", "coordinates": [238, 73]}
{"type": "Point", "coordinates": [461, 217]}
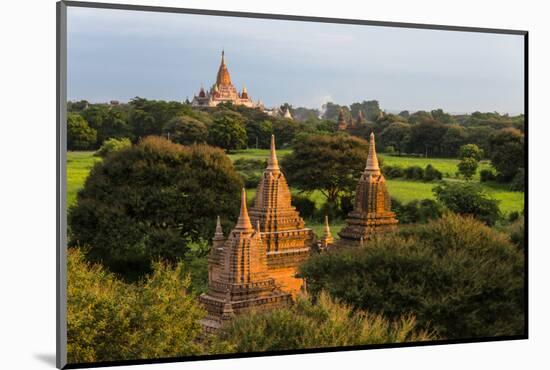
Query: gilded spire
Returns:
{"type": "Point", "coordinates": [243, 223]}
{"type": "Point", "coordinates": [219, 231]}
{"type": "Point", "coordinates": [272, 162]}
{"type": "Point", "coordinates": [223, 77]}
{"type": "Point", "coordinates": [326, 229]}
{"type": "Point", "coordinates": [372, 159]}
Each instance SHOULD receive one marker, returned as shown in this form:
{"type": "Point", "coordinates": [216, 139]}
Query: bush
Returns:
{"type": "Point", "coordinates": [151, 201]}
{"type": "Point", "coordinates": [330, 209]}
{"type": "Point", "coordinates": [108, 319]}
{"type": "Point", "coordinates": [304, 205]}
{"type": "Point", "coordinates": [414, 173]}
{"type": "Point", "coordinates": [518, 182]}
{"type": "Point", "coordinates": [432, 174]}
{"type": "Point", "coordinates": [393, 172]}
{"type": "Point", "coordinates": [112, 145]}
{"type": "Point", "coordinates": [467, 167]}
{"type": "Point", "coordinates": [487, 175]}
{"type": "Point", "coordinates": [417, 211]}
{"type": "Point", "coordinates": [456, 275]}
{"type": "Point", "coordinates": [390, 149]}
{"type": "Point", "coordinates": [516, 230]}
{"type": "Point", "coordinates": [468, 199]}
{"type": "Point", "coordinates": [317, 323]}
{"type": "Point", "coordinates": [470, 151]}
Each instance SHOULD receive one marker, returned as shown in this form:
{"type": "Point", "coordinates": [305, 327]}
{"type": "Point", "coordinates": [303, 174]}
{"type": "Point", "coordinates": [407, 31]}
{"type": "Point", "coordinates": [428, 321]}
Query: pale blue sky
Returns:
{"type": "Point", "coordinates": [116, 54]}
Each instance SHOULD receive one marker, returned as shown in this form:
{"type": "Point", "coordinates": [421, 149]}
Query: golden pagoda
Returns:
{"type": "Point", "coordinates": [223, 91]}
{"type": "Point", "coordinates": [371, 212]}
{"type": "Point", "coordinates": [286, 239]}
{"type": "Point", "coordinates": [238, 278]}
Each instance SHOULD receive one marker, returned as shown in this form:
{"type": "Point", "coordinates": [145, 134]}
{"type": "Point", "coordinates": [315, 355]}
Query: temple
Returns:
{"type": "Point", "coordinates": [238, 276]}
{"type": "Point", "coordinates": [223, 91]}
{"type": "Point", "coordinates": [342, 124]}
{"type": "Point", "coordinates": [371, 212]}
{"type": "Point", "coordinates": [287, 241]}
{"type": "Point", "coordinates": [257, 266]}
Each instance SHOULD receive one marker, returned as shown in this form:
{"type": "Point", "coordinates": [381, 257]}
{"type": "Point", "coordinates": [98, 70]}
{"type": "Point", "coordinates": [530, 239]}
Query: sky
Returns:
{"type": "Point", "coordinates": [120, 54]}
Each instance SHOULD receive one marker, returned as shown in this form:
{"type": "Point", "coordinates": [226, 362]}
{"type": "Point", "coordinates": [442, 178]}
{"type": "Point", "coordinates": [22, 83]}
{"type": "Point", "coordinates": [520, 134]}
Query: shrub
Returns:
{"type": "Point", "coordinates": [152, 200]}
{"type": "Point", "coordinates": [317, 323]}
{"type": "Point", "coordinates": [393, 172]}
{"type": "Point", "coordinates": [468, 199]}
{"type": "Point", "coordinates": [467, 167]}
{"type": "Point", "coordinates": [470, 151]}
{"type": "Point", "coordinates": [108, 319]}
{"type": "Point", "coordinates": [112, 145]}
{"type": "Point", "coordinates": [417, 211]}
{"type": "Point", "coordinates": [456, 275]}
{"type": "Point", "coordinates": [414, 173]}
{"type": "Point", "coordinates": [432, 174]}
{"type": "Point", "coordinates": [390, 149]}
{"type": "Point", "coordinates": [486, 175]}
{"type": "Point", "coordinates": [516, 230]}
{"type": "Point", "coordinates": [304, 205]}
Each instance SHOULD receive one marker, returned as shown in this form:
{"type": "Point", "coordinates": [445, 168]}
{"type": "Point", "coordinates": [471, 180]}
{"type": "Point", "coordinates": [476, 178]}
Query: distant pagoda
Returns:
{"type": "Point", "coordinates": [286, 239]}
{"type": "Point", "coordinates": [342, 124]}
{"type": "Point", "coordinates": [371, 212]}
{"type": "Point", "coordinates": [238, 278]}
{"type": "Point", "coordinates": [223, 91]}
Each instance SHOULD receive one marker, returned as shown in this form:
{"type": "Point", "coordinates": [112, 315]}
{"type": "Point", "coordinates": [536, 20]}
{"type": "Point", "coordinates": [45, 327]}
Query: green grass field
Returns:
{"type": "Point", "coordinates": [80, 163]}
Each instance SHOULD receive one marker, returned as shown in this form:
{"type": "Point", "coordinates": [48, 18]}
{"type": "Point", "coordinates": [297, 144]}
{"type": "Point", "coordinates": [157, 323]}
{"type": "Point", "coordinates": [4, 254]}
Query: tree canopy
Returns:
{"type": "Point", "coordinates": [150, 201]}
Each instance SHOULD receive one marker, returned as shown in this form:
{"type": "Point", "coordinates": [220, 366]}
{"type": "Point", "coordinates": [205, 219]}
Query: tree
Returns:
{"type": "Point", "coordinates": [227, 133]}
{"type": "Point", "coordinates": [259, 133]}
{"type": "Point", "coordinates": [185, 130]}
{"type": "Point", "coordinates": [152, 201]}
{"type": "Point", "coordinates": [316, 323]}
{"type": "Point", "coordinates": [507, 152]}
{"type": "Point", "coordinates": [427, 136]}
{"type": "Point", "coordinates": [454, 138]}
{"type": "Point", "coordinates": [467, 167]}
{"type": "Point", "coordinates": [468, 199]}
{"type": "Point", "coordinates": [112, 145]}
{"type": "Point", "coordinates": [109, 320]}
{"type": "Point", "coordinates": [285, 130]}
{"type": "Point", "coordinates": [398, 135]}
{"type": "Point", "coordinates": [440, 116]}
{"type": "Point", "coordinates": [79, 135]}
{"type": "Point", "coordinates": [456, 275]}
{"type": "Point", "coordinates": [470, 151]}
{"type": "Point", "coordinates": [330, 164]}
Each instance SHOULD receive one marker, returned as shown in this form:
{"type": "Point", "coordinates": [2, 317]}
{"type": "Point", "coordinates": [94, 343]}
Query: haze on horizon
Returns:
{"type": "Point", "coordinates": [117, 55]}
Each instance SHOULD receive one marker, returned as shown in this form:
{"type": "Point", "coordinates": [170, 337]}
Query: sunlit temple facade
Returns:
{"type": "Point", "coordinates": [223, 91]}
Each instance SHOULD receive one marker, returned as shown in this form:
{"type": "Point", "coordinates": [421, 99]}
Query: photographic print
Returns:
{"type": "Point", "coordinates": [242, 185]}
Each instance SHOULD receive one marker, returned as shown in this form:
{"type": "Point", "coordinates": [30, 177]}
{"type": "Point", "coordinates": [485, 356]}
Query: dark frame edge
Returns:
{"type": "Point", "coordinates": [61, 174]}
{"type": "Point", "coordinates": [287, 17]}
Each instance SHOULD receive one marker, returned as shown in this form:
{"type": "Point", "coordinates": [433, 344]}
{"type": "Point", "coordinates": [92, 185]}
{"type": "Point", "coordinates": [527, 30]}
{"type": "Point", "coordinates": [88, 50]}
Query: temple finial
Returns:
{"type": "Point", "coordinates": [326, 229]}
{"type": "Point", "coordinates": [219, 231]}
{"type": "Point", "coordinates": [272, 162]}
{"type": "Point", "coordinates": [243, 223]}
{"type": "Point", "coordinates": [223, 56]}
{"type": "Point", "coordinates": [372, 159]}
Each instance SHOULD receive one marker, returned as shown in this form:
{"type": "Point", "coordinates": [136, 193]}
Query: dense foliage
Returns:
{"type": "Point", "coordinates": [80, 136]}
{"type": "Point", "coordinates": [152, 200]}
{"type": "Point", "coordinates": [108, 319]}
{"type": "Point", "coordinates": [317, 323]}
{"type": "Point", "coordinates": [456, 275]}
{"type": "Point", "coordinates": [112, 145]}
{"type": "Point", "coordinates": [468, 199]}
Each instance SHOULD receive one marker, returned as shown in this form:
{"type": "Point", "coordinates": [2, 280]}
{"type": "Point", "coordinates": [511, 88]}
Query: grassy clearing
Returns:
{"type": "Point", "coordinates": [446, 166]}
{"type": "Point", "coordinates": [79, 165]}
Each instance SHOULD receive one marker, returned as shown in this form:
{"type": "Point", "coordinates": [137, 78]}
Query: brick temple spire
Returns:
{"type": "Point", "coordinates": [272, 161]}
{"type": "Point", "coordinates": [243, 223]}
{"type": "Point", "coordinates": [342, 124]}
{"type": "Point", "coordinates": [327, 238]}
{"type": "Point", "coordinates": [219, 231]}
{"type": "Point", "coordinates": [371, 212]}
{"type": "Point", "coordinates": [372, 166]}
{"type": "Point", "coordinates": [287, 241]}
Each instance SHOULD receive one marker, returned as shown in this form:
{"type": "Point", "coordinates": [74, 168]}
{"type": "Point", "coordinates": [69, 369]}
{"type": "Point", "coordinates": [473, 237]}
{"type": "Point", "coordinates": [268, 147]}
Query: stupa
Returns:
{"type": "Point", "coordinates": [371, 212]}
{"type": "Point", "coordinates": [238, 278]}
{"type": "Point", "coordinates": [286, 239]}
{"type": "Point", "coordinates": [342, 124]}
